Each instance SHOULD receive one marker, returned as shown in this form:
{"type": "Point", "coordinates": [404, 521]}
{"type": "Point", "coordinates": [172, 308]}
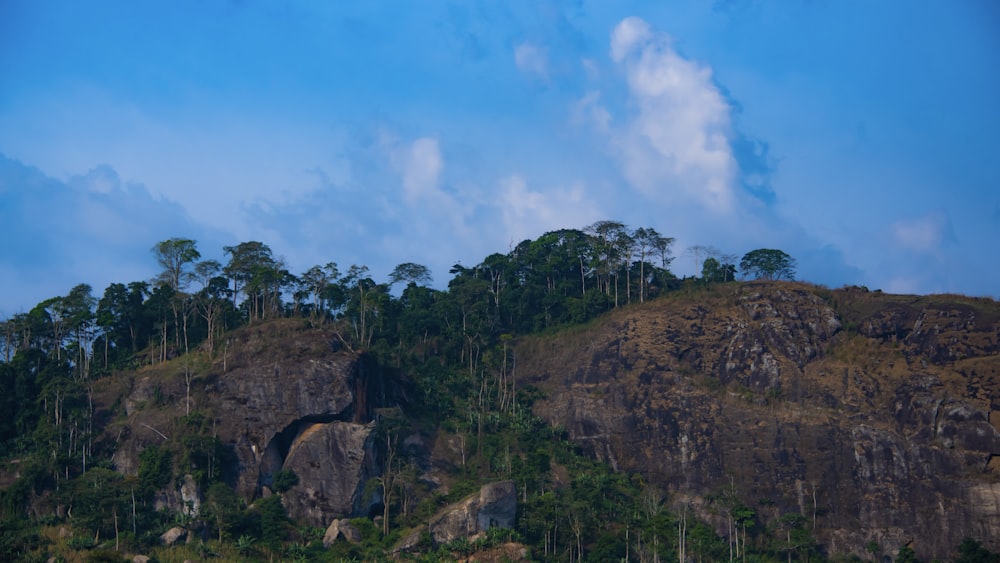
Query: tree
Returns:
{"type": "Point", "coordinates": [713, 271]}
{"type": "Point", "coordinates": [212, 299]}
{"type": "Point", "coordinates": [906, 555]}
{"type": "Point", "coordinates": [78, 312]}
{"type": "Point", "coordinates": [972, 551]}
{"type": "Point", "coordinates": [698, 251]}
{"type": "Point", "coordinates": [611, 239]}
{"type": "Point", "coordinates": [316, 282]}
{"type": "Point", "coordinates": [256, 273]}
{"type": "Point", "coordinates": [410, 273]}
{"type": "Point", "coordinates": [174, 255]}
{"type": "Point", "coordinates": [647, 241]}
{"type": "Point", "coordinates": [768, 264]}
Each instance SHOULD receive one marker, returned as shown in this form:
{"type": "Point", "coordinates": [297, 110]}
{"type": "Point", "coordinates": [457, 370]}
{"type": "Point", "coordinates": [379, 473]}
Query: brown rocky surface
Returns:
{"type": "Point", "coordinates": [873, 415]}
{"type": "Point", "coordinates": [494, 506]}
{"type": "Point", "coordinates": [282, 395]}
{"type": "Point", "coordinates": [333, 462]}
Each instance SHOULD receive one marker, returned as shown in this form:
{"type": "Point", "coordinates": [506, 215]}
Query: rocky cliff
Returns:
{"type": "Point", "coordinates": [281, 396]}
{"type": "Point", "coordinates": [873, 416]}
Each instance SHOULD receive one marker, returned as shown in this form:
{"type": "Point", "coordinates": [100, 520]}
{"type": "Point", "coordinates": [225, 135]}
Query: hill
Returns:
{"type": "Point", "coordinates": [530, 412]}
{"type": "Point", "coordinates": [872, 416]}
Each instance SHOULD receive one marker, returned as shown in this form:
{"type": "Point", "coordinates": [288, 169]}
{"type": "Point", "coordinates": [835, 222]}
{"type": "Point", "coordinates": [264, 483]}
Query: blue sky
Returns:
{"type": "Point", "coordinates": [860, 137]}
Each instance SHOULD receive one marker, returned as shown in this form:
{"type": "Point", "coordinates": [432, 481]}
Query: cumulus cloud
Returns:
{"type": "Point", "coordinates": [925, 234]}
{"type": "Point", "coordinates": [103, 179]}
{"type": "Point", "coordinates": [92, 229]}
{"type": "Point", "coordinates": [532, 59]}
{"type": "Point", "coordinates": [528, 213]}
{"type": "Point", "coordinates": [676, 143]}
{"type": "Point", "coordinates": [589, 111]}
{"type": "Point", "coordinates": [421, 164]}
{"type": "Point", "coordinates": [627, 35]}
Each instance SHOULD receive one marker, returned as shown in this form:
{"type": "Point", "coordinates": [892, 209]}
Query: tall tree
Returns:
{"type": "Point", "coordinates": [408, 273]}
{"type": "Point", "coordinates": [314, 282]}
{"type": "Point", "coordinates": [768, 264]}
{"type": "Point", "coordinates": [78, 311]}
{"type": "Point", "coordinates": [254, 272]}
{"type": "Point", "coordinates": [212, 298]}
{"type": "Point", "coordinates": [649, 243]}
{"type": "Point", "coordinates": [699, 252]}
{"type": "Point", "coordinates": [175, 256]}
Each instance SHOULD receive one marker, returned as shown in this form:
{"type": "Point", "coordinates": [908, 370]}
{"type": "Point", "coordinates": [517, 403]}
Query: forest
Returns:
{"type": "Point", "coordinates": [448, 346]}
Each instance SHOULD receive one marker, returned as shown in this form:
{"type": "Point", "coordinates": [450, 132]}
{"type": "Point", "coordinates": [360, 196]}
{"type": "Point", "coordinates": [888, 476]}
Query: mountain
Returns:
{"type": "Point", "coordinates": [774, 419]}
{"type": "Point", "coordinates": [875, 417]}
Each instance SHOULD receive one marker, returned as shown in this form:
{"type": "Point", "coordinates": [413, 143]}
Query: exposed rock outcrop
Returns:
{"type": "Point", "coordinates": [341, 528]}
{"type": "Point", "coordinates": [333, 462]}
{"type": "Point", "coordinates": [296, 403]}
{"type": "Point", "coordinates": [881, 432]}
{"type": "Point", "coordinates": [494, 506]}
{"type": "Point", "coordinates": [173, 535]}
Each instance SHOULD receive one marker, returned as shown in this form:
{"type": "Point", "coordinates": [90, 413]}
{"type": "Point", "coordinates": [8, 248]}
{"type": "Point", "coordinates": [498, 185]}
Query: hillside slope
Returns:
{"type": "Point", "coordinates": [872, 416]}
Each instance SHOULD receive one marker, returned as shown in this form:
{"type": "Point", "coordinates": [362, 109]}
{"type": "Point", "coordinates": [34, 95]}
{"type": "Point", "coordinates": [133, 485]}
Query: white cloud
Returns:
{"type": "Point", "coordinates": [676, 144]}
{"type": "Point", "coordinates": [589, 111]}
{"type": "Point", "coordinates": [102, 179]}
{"type": "Point", "coordinates": [590, 68]}
{"type": "Point", "coordinates": [925, 234]}
{"type": "Point", "coordinates": [421, 168]}
{"type": "Point", "coordinates": [532, 59]}
{"type": "Point", "coordinates": [630, 33]}
{"type": "Point", "coordinates": [528, 213]}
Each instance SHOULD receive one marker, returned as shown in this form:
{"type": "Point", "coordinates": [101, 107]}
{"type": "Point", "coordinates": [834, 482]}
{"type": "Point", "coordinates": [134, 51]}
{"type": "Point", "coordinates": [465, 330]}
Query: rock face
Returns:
{"type": "Point", "coordinates": [494, 506]}
{"type": "Point", "coordinates": [333, 462]}
{"type": "Point", "coordinates": [173, 535]}
{"type": "Point", "coordinates": [341, 528]}
{"type": "Point", "coordinates": [873, 416]}
{"type": "Point", "coordinates": [290, 402]}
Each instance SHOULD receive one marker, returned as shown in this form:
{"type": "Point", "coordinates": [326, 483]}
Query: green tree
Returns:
{"type": "Point", "coordinates": [224, 508]}
{"type": "Point", "coordinates": [316, 282]}
{"type": "Point", "coordinates": [409, 272]}
{"type": "Point", "coordinates": [258, 276]}
{"type": "Point", "coordinates": [212, 299]}
{"type": "Point", "coordinates": [768, 264]}
{"type": "Point", "coordinates": [175, 256]}
{"type": "Point", "coordinates": [906, 555]}
{"type": "Point", "coordinates": [284, 480]}
{"type": "Point", "coordinates": [972, 551]}
{"type": "Point", "coordinates": [273, 521]}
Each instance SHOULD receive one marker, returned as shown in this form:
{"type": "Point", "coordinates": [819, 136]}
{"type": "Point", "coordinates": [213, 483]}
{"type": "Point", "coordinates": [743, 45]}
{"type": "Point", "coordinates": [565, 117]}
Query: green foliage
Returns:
{"type": "Point", "coordinates": [906, 555]}
{"type": "Point", "coordinates": [273, 521]}
{"type": "Point", "coordinates": [285, 480]}
{"type": "Point", "coordinates": [713, 271]}
{"type": "Point", "coordinates": [768, 264]}
{"type": "Point", "coordinates": [972, 551]}
{"type": "Point", "coordinates": [455, 346]}
{"type": "Point", "coordinates": [245, 545]}
{"type": "Point", "coordinates": [105, 556]}
{"type": "Point", "coordinates": [155, 468]}
{"type": "Point", "coordinates": [224, 509]}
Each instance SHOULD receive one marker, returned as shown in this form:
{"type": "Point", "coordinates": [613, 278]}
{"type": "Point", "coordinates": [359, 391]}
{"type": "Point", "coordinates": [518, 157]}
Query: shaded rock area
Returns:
{"type": "Point", "coordinates": [494, 506]}
{"type": "Point", "coordinates": [296, 402]}
{"type": "Point", "coordinates": [341, 528]}
{"type": "Point", "coordinates": [173, 535]}
{"type": "Point", "coordinates": [333, 462]}
{"type": "Point", "coordinates": [873, 416]}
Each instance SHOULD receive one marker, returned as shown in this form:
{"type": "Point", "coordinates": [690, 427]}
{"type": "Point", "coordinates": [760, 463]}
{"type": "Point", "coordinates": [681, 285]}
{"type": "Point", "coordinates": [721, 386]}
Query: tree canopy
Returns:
{"type": "Point", "coordinates": [768, 264]}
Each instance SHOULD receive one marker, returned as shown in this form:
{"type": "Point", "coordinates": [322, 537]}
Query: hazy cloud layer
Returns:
{"type": "Point", "coordinates": [441, 133]}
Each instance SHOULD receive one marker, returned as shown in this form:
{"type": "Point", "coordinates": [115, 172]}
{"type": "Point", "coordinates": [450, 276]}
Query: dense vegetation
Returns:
{"type": "Point", "coordinates": [452, 346]}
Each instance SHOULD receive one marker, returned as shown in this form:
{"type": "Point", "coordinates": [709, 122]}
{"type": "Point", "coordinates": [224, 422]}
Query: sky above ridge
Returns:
{"type": "Point", "coordinates": [860, 137]}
